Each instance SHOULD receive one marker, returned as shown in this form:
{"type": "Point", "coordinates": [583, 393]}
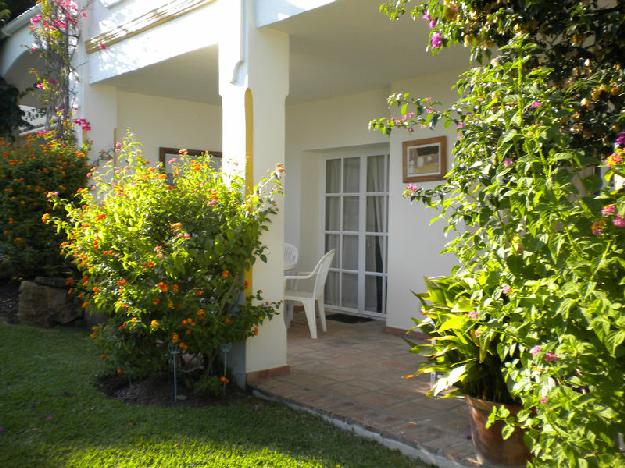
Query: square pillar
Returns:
{"type": "Point", "coordinates": [254, 84]}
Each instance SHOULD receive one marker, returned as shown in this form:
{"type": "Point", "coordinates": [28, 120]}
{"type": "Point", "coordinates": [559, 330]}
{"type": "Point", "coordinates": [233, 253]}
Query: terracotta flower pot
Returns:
{"type": "Point", "coordinates": [490, 446]}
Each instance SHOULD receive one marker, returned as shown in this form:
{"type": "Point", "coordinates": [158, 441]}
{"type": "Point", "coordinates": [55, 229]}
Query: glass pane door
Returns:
{"type": "Point", "coordinates": [356, 218]}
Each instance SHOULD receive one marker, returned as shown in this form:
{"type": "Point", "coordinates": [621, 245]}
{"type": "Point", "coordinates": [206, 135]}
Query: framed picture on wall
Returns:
{"type": "Point", "coordinates": [165, 155]}
{"type": "Point", "coordinates": [425, 159]}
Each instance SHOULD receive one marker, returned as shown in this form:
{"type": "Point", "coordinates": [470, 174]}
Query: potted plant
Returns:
{"type": "Point", "coordinates": [462, 355]}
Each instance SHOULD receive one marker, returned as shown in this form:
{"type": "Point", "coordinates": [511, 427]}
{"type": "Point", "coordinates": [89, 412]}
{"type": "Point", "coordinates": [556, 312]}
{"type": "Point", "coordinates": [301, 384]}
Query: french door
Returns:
{"type": "Point", "coordinates": [356, 226]}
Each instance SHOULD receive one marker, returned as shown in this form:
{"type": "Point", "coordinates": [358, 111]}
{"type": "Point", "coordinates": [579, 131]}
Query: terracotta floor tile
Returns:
{"type": "Point", "coordinates": [355, 372]}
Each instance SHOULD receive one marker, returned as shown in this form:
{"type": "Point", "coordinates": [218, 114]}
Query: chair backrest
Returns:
{"type": "Point", "coordinates": [291, 255]}
{"type": "Point", "coordinates": [321, 273]}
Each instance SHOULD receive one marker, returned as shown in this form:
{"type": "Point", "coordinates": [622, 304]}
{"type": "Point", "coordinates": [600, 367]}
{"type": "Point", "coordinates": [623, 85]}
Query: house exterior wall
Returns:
{"type": "Point", "coordinates": [174, 123]}
{"type": "Point", "coordinates": [339, 125]}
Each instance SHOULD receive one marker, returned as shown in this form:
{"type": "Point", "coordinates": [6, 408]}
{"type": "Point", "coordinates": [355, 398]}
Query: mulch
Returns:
{"type": "Point", "coordinates": [158, 391]}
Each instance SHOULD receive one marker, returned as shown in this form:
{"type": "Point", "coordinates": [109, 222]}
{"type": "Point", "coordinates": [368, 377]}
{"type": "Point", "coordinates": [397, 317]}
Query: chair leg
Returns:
{"type": "Point", "coordinates": [288, 313]}
{"type": "Point", "coordinates": [322, 314]}
{"type": "Point", "coordinates": [309, 310]}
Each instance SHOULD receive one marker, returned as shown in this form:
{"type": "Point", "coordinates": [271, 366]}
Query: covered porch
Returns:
{"type": "Point", "coordinates": [298, 90]}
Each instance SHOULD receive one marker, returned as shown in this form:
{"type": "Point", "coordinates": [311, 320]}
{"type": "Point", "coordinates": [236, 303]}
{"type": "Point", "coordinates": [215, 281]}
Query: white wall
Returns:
{"type": "Point", "coordinates": [414, 244]}
{"type": "Point", "coordinates": [320, 127]}
{"type": "Point", "coordinates": [158, 121]}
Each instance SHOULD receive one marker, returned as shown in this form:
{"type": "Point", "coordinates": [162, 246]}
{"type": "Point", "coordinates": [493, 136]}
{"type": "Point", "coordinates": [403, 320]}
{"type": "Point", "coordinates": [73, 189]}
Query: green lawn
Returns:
{"type": "Point", "coordinates": [53, 416]}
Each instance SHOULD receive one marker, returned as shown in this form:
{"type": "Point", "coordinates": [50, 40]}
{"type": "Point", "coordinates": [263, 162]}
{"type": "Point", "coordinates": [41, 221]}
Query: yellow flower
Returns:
{"type": "Point", "coordinates": [154, 324]}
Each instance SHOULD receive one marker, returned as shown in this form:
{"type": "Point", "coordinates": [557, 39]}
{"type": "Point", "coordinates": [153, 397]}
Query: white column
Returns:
{"type": "Point", "coordinates": [253, 84]}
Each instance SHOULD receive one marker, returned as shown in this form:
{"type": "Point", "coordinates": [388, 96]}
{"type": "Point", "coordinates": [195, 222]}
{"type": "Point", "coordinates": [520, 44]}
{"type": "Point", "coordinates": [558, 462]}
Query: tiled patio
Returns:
{"type": "Point", "coordinates": [353, 373]}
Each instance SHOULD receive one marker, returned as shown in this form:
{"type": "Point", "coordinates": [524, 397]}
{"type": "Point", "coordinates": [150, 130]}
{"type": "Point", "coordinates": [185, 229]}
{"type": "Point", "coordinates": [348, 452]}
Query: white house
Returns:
{"type": "Point", "coordinates": [270, 81]}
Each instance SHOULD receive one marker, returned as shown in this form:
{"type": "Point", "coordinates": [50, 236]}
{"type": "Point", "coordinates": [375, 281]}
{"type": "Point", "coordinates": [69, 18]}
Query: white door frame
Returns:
{"type": "Point", "coordinates": [363, 153]}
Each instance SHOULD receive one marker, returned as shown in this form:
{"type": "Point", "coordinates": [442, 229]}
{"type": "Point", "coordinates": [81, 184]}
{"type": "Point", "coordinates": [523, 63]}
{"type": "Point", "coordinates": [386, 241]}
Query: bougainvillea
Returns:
{"type": "Point", "coordinates": [536, 202]}
{"type": "Point", "coordinates": [166, 261]}
{"type": "Point", "coordinates": [29, 172]}
{"type": "Point", "coordinates": [56, 32]}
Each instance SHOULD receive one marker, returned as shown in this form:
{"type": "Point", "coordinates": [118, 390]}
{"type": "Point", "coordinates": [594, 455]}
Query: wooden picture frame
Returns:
{"type": "Point", "coordinates": [425, 159]}
{"type": "Point", "coordinates": [166, 154]}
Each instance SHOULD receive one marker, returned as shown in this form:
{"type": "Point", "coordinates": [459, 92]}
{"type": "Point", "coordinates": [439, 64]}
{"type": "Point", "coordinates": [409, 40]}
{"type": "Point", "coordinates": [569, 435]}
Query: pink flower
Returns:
{"type": "Point", "coordinates": [535, 104]}
{"type": "Point", "coordinates": [172, 160]}
{"type": "Point", "coordinates": [619, 221]}
{"type": "Point", "coordinates": [101, 46]}
{"type": "Point", "coordinates": [535, 350]}
{"type": "Point", "coordinates": [426, 16]}
{"type": "Point", "coordinates": [620, 139]}
{"type": "Point", "coordinates": [551, 357]}
{"type": "Point", "coordinates": [412, 187]}
{"type": "Point", "coordinates": [35, 20]}
{"type": "Point", "coordinates": [39, 85]}
{"type": "Point", "coordinates": [118, 146]}
{"type": "Point", "coordinates": [186, 235]}
{"type": "Point", "coordinates": [460, 125]}
{"type": "Point", "coordinates": [432, 23]}
{"type": "Point", "coordinates": [507, 163]}
{"type": "Point", "coordinates": [506, 289]}
{"type": "Point", "coordinates": [608, 210]}
{"type": "Point", "coordinates": [474, 314]}
{"type": "Point", "coordinates": [437, 40]}
{"type": "Point", "coordinates": [544, 399]}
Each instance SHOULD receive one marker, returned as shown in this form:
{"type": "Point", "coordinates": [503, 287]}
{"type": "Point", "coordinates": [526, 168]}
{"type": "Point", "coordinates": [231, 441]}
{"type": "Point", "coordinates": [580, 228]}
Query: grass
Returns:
{"type": "Point", "coordinates": [54, 416]}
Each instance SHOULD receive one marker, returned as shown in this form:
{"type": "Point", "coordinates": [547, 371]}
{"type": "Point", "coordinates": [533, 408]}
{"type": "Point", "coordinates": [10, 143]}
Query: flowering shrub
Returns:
{"type": "Point", "coordinates": [166, 262]}
{"type": "Point", "coordinates": [541, 262]}
{"type": "Point", "coordinates": [29, 172]}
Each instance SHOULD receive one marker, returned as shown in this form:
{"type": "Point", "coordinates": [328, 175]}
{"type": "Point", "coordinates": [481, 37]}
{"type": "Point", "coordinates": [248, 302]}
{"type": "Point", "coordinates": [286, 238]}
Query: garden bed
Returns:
{"type": "Point", "coordinates": [158, 391]}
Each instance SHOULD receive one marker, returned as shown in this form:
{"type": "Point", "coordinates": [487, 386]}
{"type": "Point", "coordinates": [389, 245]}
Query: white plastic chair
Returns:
{"type": "Point", "coordinates": [290, 256]}
{"type": "Point", "coordinates": [310, 298]}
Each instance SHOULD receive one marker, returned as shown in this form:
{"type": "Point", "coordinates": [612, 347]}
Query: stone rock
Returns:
{"type": "Point", "coordinates": [52, 281]}
{"type": "Point", "coordinates": [45, 306]}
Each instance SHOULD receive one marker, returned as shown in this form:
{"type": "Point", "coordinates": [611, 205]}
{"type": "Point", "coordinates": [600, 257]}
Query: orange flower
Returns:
{"type": "Point", "coordinates": [163, 287]}
{"type": "Point", "coordinates": [85, 304]}
{"type": "Point", "coordinates": [85, 280]}
{"type": "Point", "coordinates": [175, 288]}
{"type": "Point", "coordinates": [225, 274]}
{"type": "Point", "coordinates": [45, 218]}
{"type": "Point", "coordinates": [175, 338]}
{"type": "Point", "coordinates": [176, 226]}
{"type": "Point", "coordinates": [184, 322]}
{"type": "Point", "coordinates": [614, 159]}
{"type": "Point", "coordinates": [162, 176]}
{"type": "Point", "coordinates": [183, 151]}
{"type": "Point", "coordinates": [224, 380]}
{"type": "Point", "coordinates": [156, 301]}
{"type": "Point", "coordinates": [199, 292]}
{"type": "Point", "coordinates": [121, 282]}
{"type": "Point", "coordinates": [95, 289]}
{"type": "Point", "coordinates": [188, 332]}
{"type": "Point", "coordinates": [201, 314]}
{"type": "Point", "coordinates": [101, 216]}
{"type": "Point", "coordinates": [170, 305]}
{"type": "Point", "coordinates": [96, 244]}
{"type": "Point", "coordinates": [183, 346]}
{"type": "Point", "coordinates": [149, 264]}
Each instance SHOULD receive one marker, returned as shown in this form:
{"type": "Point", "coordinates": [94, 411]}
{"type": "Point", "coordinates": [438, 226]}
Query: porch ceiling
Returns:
{"type": "Point", "coordinates": [345, 47]}
{"type": "Point", "coordinates": [349, 46]}
{"type": "Point", "coordinates": [191, 76]}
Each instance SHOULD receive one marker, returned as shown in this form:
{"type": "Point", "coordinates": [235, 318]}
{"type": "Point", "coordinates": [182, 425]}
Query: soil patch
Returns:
{"type": "Point", "coordinates": [159, 391]}
{"type": "Point", "coordinates": [9, 292]}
